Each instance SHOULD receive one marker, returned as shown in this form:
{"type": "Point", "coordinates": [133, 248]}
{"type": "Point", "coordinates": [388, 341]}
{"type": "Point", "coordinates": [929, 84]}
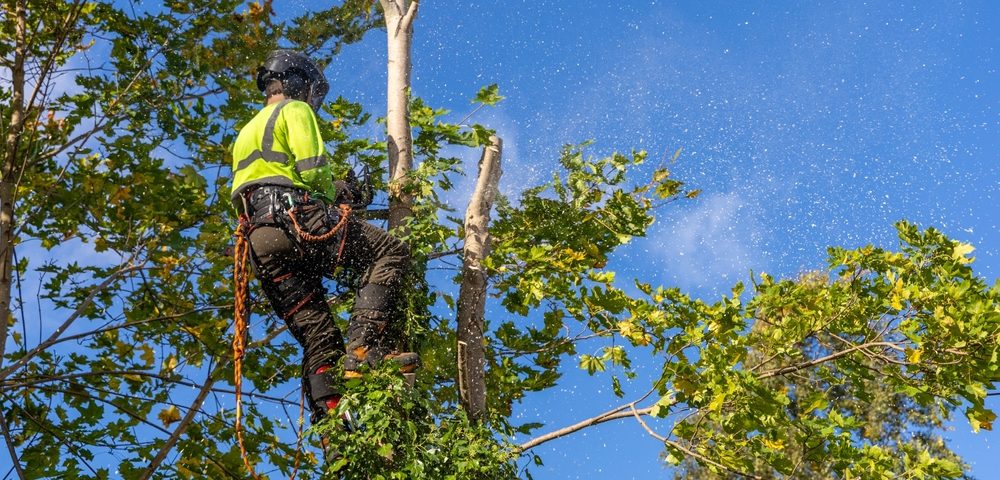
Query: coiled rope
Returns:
{"type": "Point", "coordinates": [345, 212]}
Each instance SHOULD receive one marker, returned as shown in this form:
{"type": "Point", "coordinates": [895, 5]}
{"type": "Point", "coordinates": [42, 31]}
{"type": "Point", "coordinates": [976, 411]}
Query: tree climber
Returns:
{"type": "Point", "coordinates": [284, 190]}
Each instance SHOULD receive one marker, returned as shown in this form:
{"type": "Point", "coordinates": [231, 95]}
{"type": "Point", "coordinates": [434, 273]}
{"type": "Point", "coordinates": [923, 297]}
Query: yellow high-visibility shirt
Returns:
{"type": "Point", "coordinates": [281, 145]}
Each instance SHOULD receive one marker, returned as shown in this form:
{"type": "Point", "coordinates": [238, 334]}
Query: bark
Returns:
{"type": "Point", "coordinates": [7, 177]}
{"type": "Point", "coordinates": [472, 293]}
{"type": "Point", "coordinates": [399, 16]}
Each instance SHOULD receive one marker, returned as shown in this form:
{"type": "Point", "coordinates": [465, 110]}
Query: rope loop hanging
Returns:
{"type": "Point", "coordinates": [241, 314]}
{"type": "Point", "coordinates": [241, 280]}
{"type": "Point", "coordinates": [345, 212]}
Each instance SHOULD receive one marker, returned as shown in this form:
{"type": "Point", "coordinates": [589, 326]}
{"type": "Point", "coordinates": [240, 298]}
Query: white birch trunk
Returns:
{"type": "Point", "coordinates": [472, 294]}
{"type": "Point", "coordinates": [399, 16]}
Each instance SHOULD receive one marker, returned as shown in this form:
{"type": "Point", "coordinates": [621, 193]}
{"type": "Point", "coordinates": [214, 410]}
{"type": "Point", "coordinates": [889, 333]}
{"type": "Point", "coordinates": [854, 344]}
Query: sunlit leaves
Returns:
{"type": "Point", "coordinates": [169, 415]}
{"type": "Point", "coordinates": [488, 95]}
{"type": "Point", "coordinates": [400, 439]}
{"type": "Point", "coordinates": [850, 361]}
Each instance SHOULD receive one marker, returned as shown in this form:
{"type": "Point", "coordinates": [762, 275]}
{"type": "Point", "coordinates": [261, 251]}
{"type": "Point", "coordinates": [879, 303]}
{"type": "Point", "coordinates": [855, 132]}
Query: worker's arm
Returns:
{"type": "Point", "coordinates": [306, 146]}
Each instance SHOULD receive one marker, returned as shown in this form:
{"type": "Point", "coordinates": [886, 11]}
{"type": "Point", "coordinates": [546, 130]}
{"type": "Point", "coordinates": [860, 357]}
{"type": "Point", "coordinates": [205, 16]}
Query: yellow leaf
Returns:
{"type": "Point", "coordinates": [625, 328]}
{"type": "Point", "coordinates": [170, 364]}
{"type": "Point", "coordinates": [169, 415]}
{"type": "Point", "coordinates": [716, 402]}
{"type": "Point", "coordinates": [895, 302]}
{"type": "Point", "coordinates": [147, 355]}
{"type": "Point", "coordinates": [961, 251]}
{"type": "Point", "coordinates": [123, 193]}
{"type": "Point", "coordinates": [773, 444]}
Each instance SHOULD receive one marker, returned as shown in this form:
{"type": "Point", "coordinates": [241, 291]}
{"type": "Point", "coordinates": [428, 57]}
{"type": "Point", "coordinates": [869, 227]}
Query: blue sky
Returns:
{"type": "Point", "coordinates": [806, 124]}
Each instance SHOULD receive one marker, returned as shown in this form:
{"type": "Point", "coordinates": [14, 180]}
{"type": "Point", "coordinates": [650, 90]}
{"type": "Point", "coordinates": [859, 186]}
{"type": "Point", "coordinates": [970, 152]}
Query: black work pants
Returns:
{"type": "Point", "coordinates": [291, 272]}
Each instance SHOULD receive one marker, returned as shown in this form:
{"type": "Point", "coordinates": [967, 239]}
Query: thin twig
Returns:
{"type": "Point", "coordinates": [42, 426]}
{"type": "Point", "coordinates": [138, 322]}
{"type": "Point", "coordinates": [704, 459]}
{"type": "Point", "coordinates": [830, 357]}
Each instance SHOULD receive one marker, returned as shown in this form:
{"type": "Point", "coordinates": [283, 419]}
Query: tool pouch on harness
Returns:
{"type": "Point", "coordinates": [303, 217]}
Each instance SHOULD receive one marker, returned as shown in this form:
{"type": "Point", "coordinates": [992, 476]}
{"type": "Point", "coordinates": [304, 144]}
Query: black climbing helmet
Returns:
{"type": "Point", "coordinates": [298, 75]}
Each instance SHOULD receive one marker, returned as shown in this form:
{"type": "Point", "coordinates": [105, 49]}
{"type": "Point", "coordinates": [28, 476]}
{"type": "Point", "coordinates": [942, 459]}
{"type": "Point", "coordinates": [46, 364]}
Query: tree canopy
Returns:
{"type": "Point", "coordinates": [117, 124]}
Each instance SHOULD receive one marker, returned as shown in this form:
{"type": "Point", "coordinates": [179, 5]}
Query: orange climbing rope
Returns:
{"type": "Point", "coordinates": [241, 279]}
{"type": "Point", "coordinates": [345, 212]}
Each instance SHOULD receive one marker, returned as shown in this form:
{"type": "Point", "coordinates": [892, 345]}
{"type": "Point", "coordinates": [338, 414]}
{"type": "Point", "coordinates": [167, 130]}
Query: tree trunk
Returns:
{"type": "Point", "coordinates": [472, 294]}
{"type": "Point", "coordinates": [7, 179]}
{"type": "Point", "coordinates": [399, 16]}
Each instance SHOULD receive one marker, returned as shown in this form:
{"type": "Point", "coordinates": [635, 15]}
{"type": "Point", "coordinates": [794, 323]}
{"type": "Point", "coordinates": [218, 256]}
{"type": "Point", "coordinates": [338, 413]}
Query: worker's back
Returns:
{"type": "Point", "coordinates": [281, 145]}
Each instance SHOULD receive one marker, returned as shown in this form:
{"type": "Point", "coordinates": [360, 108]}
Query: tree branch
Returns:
{"type": "Point", "coordinates": [11, 144]}
{"type": "Point", "coordinates": [704, 459]}
{"type": "Point", "coordinates": [613, 414]}
{"type": "Point", "coordinates": [10, 447]}
{"type": "Point", "coordinates": [555, 343]}
{"type": "Point", "coordinates": [410, 15]}
{"type": "Point", "coordinates": [56, 49]}
{"type": "Point", "coordinates": [137, 322]}
{"type": "Point", "coordinates": [130, 413]}
{"type": "Point", "coordinates": [69, 446]}
{"type": "Point", "coordinates": [437, 255]}
{"type": "Point", "coordinates": [830, 357]}
{"type": "Point", "coordinates": [69, 321]}
{"type": "Point", "coordinates": [181, 428]}
{"type": "Point", "coordinates": [472, 292]}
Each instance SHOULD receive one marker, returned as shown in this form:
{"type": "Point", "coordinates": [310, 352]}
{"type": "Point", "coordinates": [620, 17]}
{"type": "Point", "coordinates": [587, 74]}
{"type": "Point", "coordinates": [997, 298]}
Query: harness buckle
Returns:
{"type": "Point", "coordinates": [289, 199]}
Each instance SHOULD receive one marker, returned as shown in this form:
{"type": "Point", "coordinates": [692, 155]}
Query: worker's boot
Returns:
{"type": "Point", "coordinates": [368, 345]}
{"type": "Point", "coordinates": [325, 397]}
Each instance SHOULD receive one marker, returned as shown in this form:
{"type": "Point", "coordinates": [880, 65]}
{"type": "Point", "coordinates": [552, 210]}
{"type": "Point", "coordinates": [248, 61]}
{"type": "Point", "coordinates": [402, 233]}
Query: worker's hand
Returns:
{"type": "Point", "coordinates": [354, 191]}
{"type": "Point", "coordinates": [345, 194]}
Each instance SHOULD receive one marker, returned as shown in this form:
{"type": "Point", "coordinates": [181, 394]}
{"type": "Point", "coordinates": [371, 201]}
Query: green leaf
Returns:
{"type": "Point", "coordinates": [980, 418]}
{"type": "Point", "coordinates": [488, 95]}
